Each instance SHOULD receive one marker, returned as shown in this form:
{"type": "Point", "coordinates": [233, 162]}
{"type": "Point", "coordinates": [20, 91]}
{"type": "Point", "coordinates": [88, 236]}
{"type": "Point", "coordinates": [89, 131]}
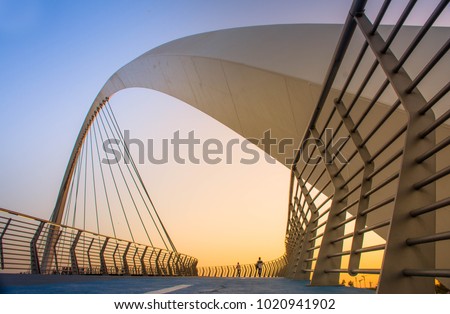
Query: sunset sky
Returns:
{"type": "Point", "coordinates": [54, 58]}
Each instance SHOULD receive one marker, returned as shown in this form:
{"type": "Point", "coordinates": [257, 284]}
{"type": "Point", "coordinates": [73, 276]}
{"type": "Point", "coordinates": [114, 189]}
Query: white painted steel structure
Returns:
{"type": "Point", "coordinates": [385, 92]}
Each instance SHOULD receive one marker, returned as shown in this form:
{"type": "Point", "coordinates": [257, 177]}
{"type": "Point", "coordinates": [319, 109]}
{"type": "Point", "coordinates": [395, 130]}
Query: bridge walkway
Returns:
{"type": "Point", "coordinates": [76, 284]}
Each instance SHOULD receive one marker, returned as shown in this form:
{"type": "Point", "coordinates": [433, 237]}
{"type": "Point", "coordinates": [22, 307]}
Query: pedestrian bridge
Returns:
{"type": "Point", "coordinates": [163, 285]}
{"type": "Point", "coordinates": [380, 92]}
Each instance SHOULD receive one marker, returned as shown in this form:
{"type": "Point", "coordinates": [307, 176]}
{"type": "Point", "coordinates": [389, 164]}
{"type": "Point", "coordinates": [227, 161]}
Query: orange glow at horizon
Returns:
{"type": "Point", "coordinates": [220, 214]}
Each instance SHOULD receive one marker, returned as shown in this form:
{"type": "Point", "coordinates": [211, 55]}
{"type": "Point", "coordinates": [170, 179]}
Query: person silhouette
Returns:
{"type": "Point", "coordinates": [238, 270]}
{"type": "Point", "coordinates": [259, 265]}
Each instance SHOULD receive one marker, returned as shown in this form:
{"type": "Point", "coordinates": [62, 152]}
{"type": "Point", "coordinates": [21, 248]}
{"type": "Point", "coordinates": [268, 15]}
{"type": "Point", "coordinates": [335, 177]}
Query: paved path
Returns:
{"type": "Point", "coordinates": [177, 285]}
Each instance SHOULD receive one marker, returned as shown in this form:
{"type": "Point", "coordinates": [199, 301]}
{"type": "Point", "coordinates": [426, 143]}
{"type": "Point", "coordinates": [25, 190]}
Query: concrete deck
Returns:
{"type": "Point", "coordinates": [40, 284]}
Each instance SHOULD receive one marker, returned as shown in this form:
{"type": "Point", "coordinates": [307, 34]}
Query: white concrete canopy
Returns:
{"type": "Point", "coordinates": [253, 79]}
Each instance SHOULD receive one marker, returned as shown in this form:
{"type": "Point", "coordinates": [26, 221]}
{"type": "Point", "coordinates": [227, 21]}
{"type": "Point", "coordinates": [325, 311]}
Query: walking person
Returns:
{"type": "Point", "coordinates": [259, 265]}
{"type": "Point", "coordinates": [238, 270]}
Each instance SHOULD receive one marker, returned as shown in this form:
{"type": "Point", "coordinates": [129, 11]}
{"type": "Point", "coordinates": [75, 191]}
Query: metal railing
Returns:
{"type": "Point", "coordinates": [369, 184]}
{"type": "Point", "coordinates": [273, 268]}
{"type": "Point", "coordinates": [23, 239]}
{"type": "Point", "coordinates": [370, 176]}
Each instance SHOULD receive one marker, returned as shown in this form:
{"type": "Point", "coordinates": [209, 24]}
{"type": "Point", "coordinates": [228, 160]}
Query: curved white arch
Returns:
{"type": "Point", "coordinates": [250, 79]}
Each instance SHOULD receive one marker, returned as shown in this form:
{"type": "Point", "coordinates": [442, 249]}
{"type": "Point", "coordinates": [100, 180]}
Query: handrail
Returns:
{"type": "Point", "coordinates": [73, 256]}
{"type": "Point", "coordinates": [272, 268]}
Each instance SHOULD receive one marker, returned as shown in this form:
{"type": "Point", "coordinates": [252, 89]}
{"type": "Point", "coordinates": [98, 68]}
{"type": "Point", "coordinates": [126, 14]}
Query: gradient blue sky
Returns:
{"type": "Point", "coordinates": [56, 55]}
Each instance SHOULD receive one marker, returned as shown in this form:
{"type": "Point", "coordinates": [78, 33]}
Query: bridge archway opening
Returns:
{"type": "Point", "coordinates": [220, 213]}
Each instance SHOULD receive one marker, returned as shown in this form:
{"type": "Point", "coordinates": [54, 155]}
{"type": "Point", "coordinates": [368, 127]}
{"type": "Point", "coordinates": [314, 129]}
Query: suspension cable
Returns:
{"type": "Point", "coordinates": [94, 126]}
{"type": "Point", "coordinates": [114, 179]}
{"type": "Point", "coordinates": [142, 182]}
{"type": "Point", "coordinates": [80, 161]}
{"type": "Point", "coordinates": [126, 151]}
{"type": "Point", "coordinates": [129, 191]}
{"type": "Point", "coordinates": [85, 192]}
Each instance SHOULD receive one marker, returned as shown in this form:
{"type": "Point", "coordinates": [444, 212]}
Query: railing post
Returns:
{"type": "Point", "coordinates": [169, 267]}
{"type": "Point", "coordinates": [366, 185]}
{"type": "Point", "coordinates": [55, 251]}
{"type": "Point", "coordinates": [135, 269]}
{"type": "Point", "coordinates": [185, 266]}
{"type": "Point", "coordinates": [307, 235]}
{"type": "Point", "coordinates": [193, 266]}
{"type": "Point", "coordinates": [143, 267]}
{"type": "Point", "coordinates": [125, 261]}
{"type": "Point", "coordinates": [150, 263]}
{"type": "Point", "coordinates": [276, 268]}
{"type": "Point", "coordinates": [47, 256]}
{"type": "Point", "coordinates": [103, 266]}
{"type": "Point", "coordinates": [275, 271]}
{"type": "Point", "coordinates": [158, 268]}
{"type": "Point", "coordinates": [35, 267]}
{"type": "Point", "coordinates": [89, 256]}
{"type": "Point", "coordinates": [295, 237]}
{"type": "Point", "coordinates": [2, 257]}
{"type": "Point", "coordinates": [398, 256]}
{"type": "Point", "coordinates": [73, 254]}
{"type": "Point", "coordinates": [164, 263]}
{"type": "Point", "coordinates": [281, 266]}
{"type": "Point", "coordinates": [175, 258]}
{"type": "Point", "coordinates": [335, 216]}
{"type": "Point", "coordinates": [116, 269]}
{"type": "Point", "coordinates": [180, 264]}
